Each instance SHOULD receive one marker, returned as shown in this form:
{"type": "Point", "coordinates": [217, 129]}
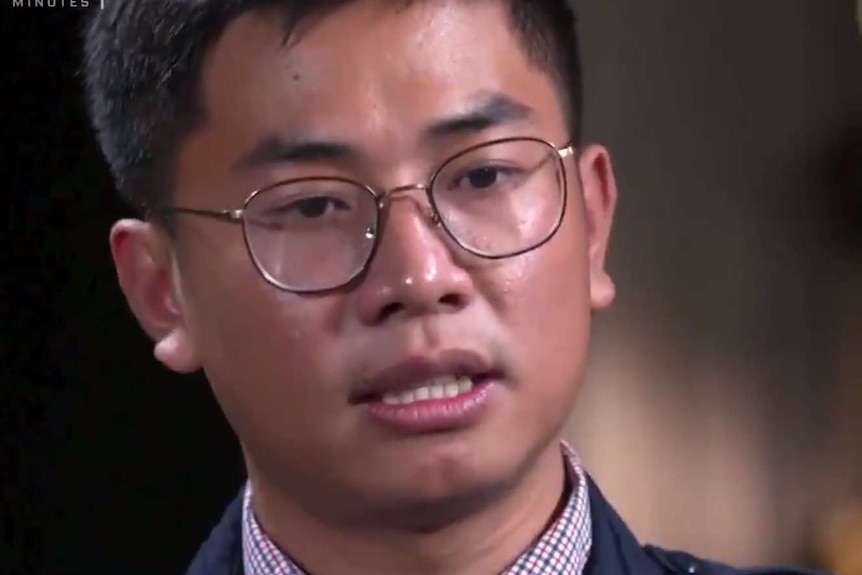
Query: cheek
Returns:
{"type": "Point", "coordinates": [543, 298]}
{"type": "Point", "coordinates": [547, 290]}
{"type": "Point", "coordinates": [270, 356]}
{"type": "Point", "coordinates": [547, 304]}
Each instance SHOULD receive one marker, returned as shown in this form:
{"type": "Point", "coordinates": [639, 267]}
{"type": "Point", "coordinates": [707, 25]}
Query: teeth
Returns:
{"type": "Point", "coordinates": [438, 388]}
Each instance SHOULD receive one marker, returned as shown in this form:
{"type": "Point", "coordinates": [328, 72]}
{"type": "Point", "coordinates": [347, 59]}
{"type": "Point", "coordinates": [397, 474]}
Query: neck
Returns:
{"type": "Point", "coordinates": [484, 542]}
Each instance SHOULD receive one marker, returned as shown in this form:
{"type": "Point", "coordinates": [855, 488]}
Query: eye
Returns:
{"type": "Point", "coordinates": [485, 178]}
{"type": "Point", "coordinates": [316, 207]}
{"type": "Point", "coordinates": [311, 208]}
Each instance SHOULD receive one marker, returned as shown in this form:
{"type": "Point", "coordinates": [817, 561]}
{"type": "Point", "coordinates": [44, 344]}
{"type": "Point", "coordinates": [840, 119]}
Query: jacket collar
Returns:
{"type": "Point", "coordinates": [615, 550]}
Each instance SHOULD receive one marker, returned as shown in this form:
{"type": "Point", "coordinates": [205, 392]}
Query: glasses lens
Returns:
{"type": "Point", "coordinates": [501, 198]}
{"type": "Point", "coordinates": [311, 234]}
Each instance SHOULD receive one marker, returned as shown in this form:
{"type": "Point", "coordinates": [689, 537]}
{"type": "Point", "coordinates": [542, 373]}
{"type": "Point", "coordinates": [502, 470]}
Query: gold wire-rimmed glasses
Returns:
{"type": "Point", "coordinates": [497, 199]}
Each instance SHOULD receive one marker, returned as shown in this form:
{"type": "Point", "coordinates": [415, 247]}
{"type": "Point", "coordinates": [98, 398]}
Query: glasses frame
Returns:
{"type": "Point", "coordinates": [237, 215]}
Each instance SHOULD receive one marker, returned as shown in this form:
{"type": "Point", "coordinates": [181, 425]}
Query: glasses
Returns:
{"type": "Point", "coordinates": [495, 200]}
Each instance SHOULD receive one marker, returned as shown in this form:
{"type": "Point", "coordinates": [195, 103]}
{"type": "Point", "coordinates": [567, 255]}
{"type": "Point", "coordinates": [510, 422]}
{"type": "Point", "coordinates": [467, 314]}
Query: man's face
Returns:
{"type": "Point", "coordinates": [289, 370]}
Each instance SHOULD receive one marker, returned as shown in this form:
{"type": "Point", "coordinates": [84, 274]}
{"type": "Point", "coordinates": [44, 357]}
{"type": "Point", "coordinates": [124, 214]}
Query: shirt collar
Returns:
{"type": "Point", "coordinates": [563, 549]}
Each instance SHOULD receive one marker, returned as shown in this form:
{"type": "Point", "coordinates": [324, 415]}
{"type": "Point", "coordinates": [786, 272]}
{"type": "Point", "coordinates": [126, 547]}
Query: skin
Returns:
{"type": "Point", "coordinates": [324, 475]}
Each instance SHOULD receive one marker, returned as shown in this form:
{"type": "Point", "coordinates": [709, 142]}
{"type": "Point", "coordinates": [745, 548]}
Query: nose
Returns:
{"type": "Point", "coordinates": [414, 271]}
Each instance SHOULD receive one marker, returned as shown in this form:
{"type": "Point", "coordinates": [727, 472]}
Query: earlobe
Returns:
{"type": "Point", "coordinates": [176, 351]}
{"type": "Point", "coordinates": [602, 291]}
{"type": "Point", "coordinates": [143, 260]}
{"type": "Point", "coordinates": [600, 199]}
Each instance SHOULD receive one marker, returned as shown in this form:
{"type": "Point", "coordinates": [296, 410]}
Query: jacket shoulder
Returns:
{"type": "Point", "coordinates": [681, 563]}
{"type": "Point", "coordinates": [221, 553]}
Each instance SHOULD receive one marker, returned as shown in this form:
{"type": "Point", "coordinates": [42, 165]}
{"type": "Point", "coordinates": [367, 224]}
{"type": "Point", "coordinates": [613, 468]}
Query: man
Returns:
{"type": "Point", "coordinates": [375, 228]}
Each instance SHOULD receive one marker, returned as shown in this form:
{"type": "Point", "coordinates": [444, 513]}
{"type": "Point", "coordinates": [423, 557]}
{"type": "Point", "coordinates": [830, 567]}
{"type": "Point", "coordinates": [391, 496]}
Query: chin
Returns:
{"type": "Point", "coordinates": [432, 491]}
{"type": "Point", "coordinates": [431, 507]}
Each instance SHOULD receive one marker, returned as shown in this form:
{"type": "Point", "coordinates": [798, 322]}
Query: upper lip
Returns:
{"type": "Point", "coordinates": [409, 373]}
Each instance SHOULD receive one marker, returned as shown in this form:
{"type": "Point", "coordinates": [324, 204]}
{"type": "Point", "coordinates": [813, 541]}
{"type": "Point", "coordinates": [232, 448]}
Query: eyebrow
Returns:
{"type": "Point", "coordinates": [484, 113]}
{"type": "Point", "coordinates": [487, 112]}
{"type": "Point", "coordinates": [285, 149]}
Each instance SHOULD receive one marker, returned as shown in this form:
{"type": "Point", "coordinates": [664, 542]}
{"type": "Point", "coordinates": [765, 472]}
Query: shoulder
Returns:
{"type": "Point", "coordinates": [616, 550]}
{"type": "Point", "coordinates": [221, 553]}
{"type": "Point", "coordinates": [679, 563]}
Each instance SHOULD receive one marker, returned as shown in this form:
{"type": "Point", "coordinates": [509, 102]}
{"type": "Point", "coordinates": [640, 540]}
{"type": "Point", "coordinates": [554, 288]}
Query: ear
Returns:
{"type": "Point", "coordinates": [147, 274]}
{"type": "Point", "coordinates": [600, 200]}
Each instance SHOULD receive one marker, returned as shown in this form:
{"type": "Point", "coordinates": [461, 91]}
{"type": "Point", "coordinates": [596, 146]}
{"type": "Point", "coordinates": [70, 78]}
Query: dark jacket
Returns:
{"type": "Point", "coordinates": [615, 550]}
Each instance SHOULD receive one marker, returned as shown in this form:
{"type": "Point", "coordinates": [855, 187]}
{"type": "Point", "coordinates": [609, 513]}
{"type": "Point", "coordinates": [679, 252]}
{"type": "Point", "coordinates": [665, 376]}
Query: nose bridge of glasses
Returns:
{"type": "Point", "coordinates": [392, 193]}
{"type": "Point", "coordinates": [405, 189]}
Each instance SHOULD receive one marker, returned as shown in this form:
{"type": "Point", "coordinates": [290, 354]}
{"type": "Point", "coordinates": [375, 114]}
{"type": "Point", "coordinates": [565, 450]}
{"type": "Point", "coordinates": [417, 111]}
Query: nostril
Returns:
{"type": "Point", "coordinates": [390, 310]}
{"type": "Point", "coordinates": [452, 300]}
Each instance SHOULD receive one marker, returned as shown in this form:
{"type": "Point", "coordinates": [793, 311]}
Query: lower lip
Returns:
{"type": "Point", "coordinates": [436, 414]}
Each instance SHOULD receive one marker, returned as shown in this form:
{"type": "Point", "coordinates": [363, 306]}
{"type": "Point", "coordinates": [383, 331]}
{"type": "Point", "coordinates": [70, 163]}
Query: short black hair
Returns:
{"type": "Point", "coordinates": [143, 62]}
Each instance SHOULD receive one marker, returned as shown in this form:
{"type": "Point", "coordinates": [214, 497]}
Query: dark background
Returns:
{"type": "Point", "coordinates": [735, 128]}
{"type": "Point", "coordinates": [109, 464]}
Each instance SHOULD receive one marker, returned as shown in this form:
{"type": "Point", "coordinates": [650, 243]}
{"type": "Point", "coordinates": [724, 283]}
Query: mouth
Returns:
{"type": "Point", "coordinates": [437, 388]}
{"type": "Point", "coordinates": [446, 387]}
{"type": "Point", "coordinates": [444, 375]}
{"type": "Point", "coordinates": [430, 394]}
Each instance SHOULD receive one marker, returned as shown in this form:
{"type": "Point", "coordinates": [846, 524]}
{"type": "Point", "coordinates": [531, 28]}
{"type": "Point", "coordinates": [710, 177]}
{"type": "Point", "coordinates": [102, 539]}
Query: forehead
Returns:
{"type": "Point", "coordinates": [372, 73]}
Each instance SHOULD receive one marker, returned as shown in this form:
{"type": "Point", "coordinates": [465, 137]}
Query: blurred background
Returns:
{"type": "Point", "coordinates": [722, 409]}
